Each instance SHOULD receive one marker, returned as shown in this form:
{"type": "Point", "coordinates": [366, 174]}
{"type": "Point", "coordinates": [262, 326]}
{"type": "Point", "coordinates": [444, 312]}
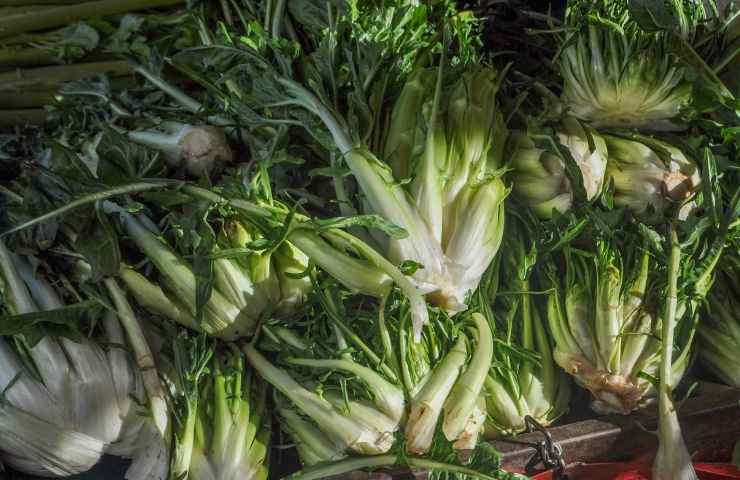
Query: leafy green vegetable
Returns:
{"type": "Point", "coordinates": [619, 63]}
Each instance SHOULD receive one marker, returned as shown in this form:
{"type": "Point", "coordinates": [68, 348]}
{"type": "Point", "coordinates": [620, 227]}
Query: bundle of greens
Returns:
{"type": "Point", "coordinates": [445, 378]}
{"type": "Point", "coordinates": [223, 426]}
{"type": "Point", "coordinates": [606, 312]}
{"type": "Point", "coordinates": [603, 315]}
{"type": "Point", "coordinates": [216, 293]}
{"type": "Point", "coordinates": [250, 273]}
{"type": "Point", "coordinates": [523, 379]}
{"type": "Point", "coordinates": [66, 399]}
{"type": "Point", "coordinates": [430, 168]}
{"type": "Point", "coordinates": [87, 41]}
{"type": "Point", "coordinates": [690, 275]}
{"type": "Point", "coordinates": [624, 64]}
{"type": "Point", "coordinates": [228, 311]}
{"type": "Point", "coordinates": [540, 178]}
{"type": "Point", "coordinates": [355, 391]}
{"type": "Point", "coordinates": [451, 151]}
{"type": "Point", "coordinates": [356, 408]}
{"type": "Point", "coordinates": [318, 192]}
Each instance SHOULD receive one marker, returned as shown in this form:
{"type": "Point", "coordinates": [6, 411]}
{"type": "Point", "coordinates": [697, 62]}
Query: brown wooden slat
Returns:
{"type": "Point", "coordinates": [710, 420]}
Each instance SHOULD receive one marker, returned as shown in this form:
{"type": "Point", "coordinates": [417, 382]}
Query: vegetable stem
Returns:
{"type": "Point", "coordinates": [28, 100]}
{"type": "Point", "coordinates": [14, 197]}
{"type": "Point", "coordinates": [19, 57]}
{"type": "Point", "coordinates": [85, 200]}
{"type": "Point", "coordinates": [192, 105]}
{"type": "Point", "coordinates": [460, 404]}
{"type": "Point", "coordinates": [54, 75]}
{"type": "Point", "coordinates": [672, 462]}
{"type": "Point", "coordinates": [142, 356]}
{"type": "Point", "coordinates": [351, 464]}
{"type": "Point", "coordinates": [26, 116]}
{"type": "Point", "coordinates": [388, 398]}
{"type": "Point", "coordinates": [24, 3]}
{"type": "Point", "coordinates": [63, 15]}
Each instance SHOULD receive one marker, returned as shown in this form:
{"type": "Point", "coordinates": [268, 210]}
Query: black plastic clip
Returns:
{"type": "Point", "coordinates": [547, 452]}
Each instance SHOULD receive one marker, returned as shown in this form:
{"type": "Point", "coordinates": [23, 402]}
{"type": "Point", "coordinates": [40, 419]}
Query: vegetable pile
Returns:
{"type": "Point", "coordinates": [265, 239]}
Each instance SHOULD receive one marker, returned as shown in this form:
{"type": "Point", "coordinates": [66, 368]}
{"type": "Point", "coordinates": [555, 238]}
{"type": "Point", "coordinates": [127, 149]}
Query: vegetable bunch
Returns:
{"type": "Point", "coordinates": [290, 226]}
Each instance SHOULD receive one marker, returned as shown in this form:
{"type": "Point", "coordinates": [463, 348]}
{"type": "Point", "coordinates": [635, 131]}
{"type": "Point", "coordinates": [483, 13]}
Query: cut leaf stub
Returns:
{"type": "Point", "coordinates": [651, 174]}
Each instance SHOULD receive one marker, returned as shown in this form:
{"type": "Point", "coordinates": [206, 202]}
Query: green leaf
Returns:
{"type": "Point", "coordinates": [687, 394]}
{"type": "Point", "coordinates": [134, 207]}
{"type": "Point", "coordinates": [121, 40]}
{"type": "Point", "coordinates": [731, 134]}
{"type": "Point", "coordinates": [683, 49]}
{"type": "Point", "coordinates": [653, 16]}
{"type": "Point", "coordinates": [98, 243]}
{"type": "Point", "coordinates": [204, 281]}
{"type": "Point", "coordinates": [607, 194]}
{"type": "Point", "coordinates": [654, 381]}
{"type": "Point", "coordinates": [568, 232]}
{"type": "Point", "coordinates": [485, 458]}
{"type": "Point", "coordinates": [368, 221]}
{"type": "Point", "coordinates": [710, 185]}
{"type": "Point", "coordinates": [199, 239]}
{"type": "Point", "coordinates": [329, 172]}
{"type": "Point", "coordinates": [35, 334]}
{"type": "Point", "coordinates": [69, 315]}
{"type": "Point", "coordinates": [166, 199]}
{"type": "Point", "coordinates": [409, 267]}
{"type": "Point", "coordinates": [652, 236]}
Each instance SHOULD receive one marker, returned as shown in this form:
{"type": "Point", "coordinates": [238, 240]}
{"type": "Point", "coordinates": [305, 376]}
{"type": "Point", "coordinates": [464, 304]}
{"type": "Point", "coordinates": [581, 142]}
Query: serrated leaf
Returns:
{"type": "Point", "coordinates": [485, 458]}
{"type": "Point", "coordinates": [652, 236]}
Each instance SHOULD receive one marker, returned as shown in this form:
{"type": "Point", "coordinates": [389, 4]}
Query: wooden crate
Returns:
{"type": "Point", "coordinates": [710, 419]}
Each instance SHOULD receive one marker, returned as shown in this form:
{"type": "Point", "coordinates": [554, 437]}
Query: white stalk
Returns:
{"type": "Point", "coordinates": [426, 406]}
{"type": "Point", "coordinates": [386, 396]}
{"type": "Point", "coordinates": [460, 405]}
{"type": "Point", "coordinates": [672, 462]}
{"type": "Point", "coordinates": [347, 433]}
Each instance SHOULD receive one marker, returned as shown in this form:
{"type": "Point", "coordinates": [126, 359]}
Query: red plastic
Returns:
{"type": "Point", "coordinates": [640, 470]}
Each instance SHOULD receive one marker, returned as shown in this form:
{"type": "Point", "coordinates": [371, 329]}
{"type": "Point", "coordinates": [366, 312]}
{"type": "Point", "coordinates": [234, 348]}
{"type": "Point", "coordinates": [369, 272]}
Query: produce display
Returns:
{"type": "Point", "coordinates": [246, 239]}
